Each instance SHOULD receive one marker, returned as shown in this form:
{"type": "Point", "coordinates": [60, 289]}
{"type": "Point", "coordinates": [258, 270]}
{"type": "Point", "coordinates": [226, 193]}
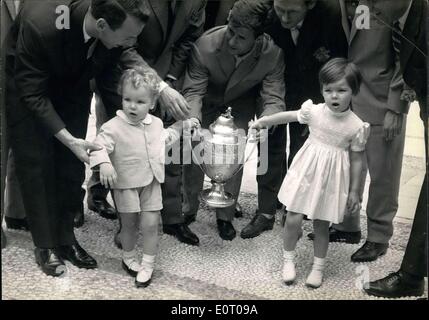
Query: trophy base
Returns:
{"type": "Point", "coordinates": [216, 199]}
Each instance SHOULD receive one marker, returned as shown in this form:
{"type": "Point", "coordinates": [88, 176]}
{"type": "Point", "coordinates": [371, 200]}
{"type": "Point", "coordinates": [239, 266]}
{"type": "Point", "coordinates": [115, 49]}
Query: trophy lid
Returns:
{"type": "Point", "coordinates": [224, 130]}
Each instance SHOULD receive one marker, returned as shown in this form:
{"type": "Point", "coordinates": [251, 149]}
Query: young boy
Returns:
{"type": "Point", "coordinates": [132, 164]}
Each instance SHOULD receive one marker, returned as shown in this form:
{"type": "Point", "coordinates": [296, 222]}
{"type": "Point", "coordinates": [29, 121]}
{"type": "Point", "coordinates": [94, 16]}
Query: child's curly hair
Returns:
{"type": "Point", "coordinates": [139, 77]}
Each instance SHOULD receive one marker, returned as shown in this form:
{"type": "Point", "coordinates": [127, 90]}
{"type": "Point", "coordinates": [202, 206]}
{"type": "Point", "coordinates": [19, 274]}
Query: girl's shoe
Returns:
{"type": "Point", "coordinates": [131, 268]}
{"type": "Point", "coordinates": [289, 273]}
{"type": "Point", "coordinates": [144, 276]}
{"type": "Point", "coordinates": [314, 279]}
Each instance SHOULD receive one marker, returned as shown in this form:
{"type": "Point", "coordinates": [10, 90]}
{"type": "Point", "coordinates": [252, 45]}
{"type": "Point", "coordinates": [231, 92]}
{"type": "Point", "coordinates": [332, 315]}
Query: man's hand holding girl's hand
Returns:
{"type": "Point", "coordinates": [108, 176]}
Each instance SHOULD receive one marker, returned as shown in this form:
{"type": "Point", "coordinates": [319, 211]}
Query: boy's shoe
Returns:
{"type": "Point", "coordinates": [131, 268]}
{"type": "Point", "coordinates": [144, 276]}
{"type": "Point", "coordinates": [314, 279]}
{"type": "Point", "coordinates": [341, 236]}
{"type": "Point", "coordinates": [289, 273]}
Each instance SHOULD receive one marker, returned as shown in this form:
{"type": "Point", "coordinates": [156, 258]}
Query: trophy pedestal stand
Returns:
{"type": "Point", "coordinates": [216, 196]}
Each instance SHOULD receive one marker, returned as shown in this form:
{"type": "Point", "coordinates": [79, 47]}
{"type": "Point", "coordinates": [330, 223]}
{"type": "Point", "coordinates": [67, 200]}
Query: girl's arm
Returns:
{"type": "Point", "coordinates": [356, 164]}
{"type": "Point", "coordinates": [275, 119]}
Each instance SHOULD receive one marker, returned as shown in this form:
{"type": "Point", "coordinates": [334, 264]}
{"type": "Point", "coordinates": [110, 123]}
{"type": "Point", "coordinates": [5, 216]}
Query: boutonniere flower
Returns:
{"type": "Point", "coordinates": [408, 94]}
{"type": "Point", "coordinates": [322, 54]}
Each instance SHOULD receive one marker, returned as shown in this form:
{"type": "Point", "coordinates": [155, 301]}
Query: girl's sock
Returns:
{"type": "Point", "coordinates": [289, 273]}
{"type": "Point", "coordinates": [130, 259]}
{"type": "Point", "coordinates": [315, 278]}
{"type": "Point", "coordinates": [146, 269]}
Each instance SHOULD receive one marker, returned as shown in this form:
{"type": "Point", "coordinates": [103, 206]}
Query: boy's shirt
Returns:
{"type": "Point", "coordinates": [136, 151]}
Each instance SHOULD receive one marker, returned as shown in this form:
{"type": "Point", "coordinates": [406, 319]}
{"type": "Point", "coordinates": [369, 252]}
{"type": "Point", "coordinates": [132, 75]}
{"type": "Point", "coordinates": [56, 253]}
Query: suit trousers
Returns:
{"type": "Point", "coordinates": [269, 183]}
{"type": "Point", "coordinates": [415, 257]}
{"type": "Point", "coordinates": [50, 177]}
{"type": "Point", "coordinates": [13, 205]}
{"type": "Point", "coordinates": [384, 163]}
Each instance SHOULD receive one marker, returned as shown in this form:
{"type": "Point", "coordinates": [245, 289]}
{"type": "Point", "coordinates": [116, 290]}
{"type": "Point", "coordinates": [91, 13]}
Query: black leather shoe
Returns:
{"type": "Point", "coordinates": [17, 224]}
{"type": "Point", "coordinates": [226, 229]}
{"type": "Point", "coordinates": [182, 232]}
{"type": "Point", "coordinates": [78, 219]}
{"type": "Point", "coordinates": [77, 256]}
{"type": "Point", "coordinates": [341, 236]}
{"type": "Point", "coordinates": [189, 218]}
{"type": "Point", "coordinates": [396, 285]}
{"type": "Point", "coordinates": [50, 263]}
{"type": "Point", "coordinates": [256, 226]}
{"type": "Point", "coordinates": [238, 211]}
{"type": "Point", "coordinates": [103, 208]}
{"type": "Point", "coordinates": [370, 251]}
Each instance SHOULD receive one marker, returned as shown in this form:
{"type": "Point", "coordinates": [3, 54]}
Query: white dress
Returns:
{"type": "Point", "coordinates": [317, 183]}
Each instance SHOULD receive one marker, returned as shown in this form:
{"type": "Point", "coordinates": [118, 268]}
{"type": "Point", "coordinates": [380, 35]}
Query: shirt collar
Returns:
{"type": "Point", "coordinates": [298, 26]}
{"type": "Point", "coordinates": [403, 19]}
{"type": "Point", "coordinates": [86, 36]}
{"type": "Point", "coordinates": [147, 120]}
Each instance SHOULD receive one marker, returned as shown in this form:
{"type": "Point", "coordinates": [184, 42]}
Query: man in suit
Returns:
{"type": "Point", "coordinates": [309, 32]}
{"type": "Point", "coordinates": [409, 279]}
{"type": "Point", "coordinates": [165, 45]}
{"type": "Point", "coordinates": [8, 12]}
{"type": "Point", "coordinates": [379, 104]}
{"type": "Point", "coordinates": [50, 60]}
{"type": "Point", "coordinates": [234, 65]}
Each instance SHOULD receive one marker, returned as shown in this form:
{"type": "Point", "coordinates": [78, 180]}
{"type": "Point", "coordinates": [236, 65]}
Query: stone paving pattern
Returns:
{"type": "Point", "coordinates": [216, 270]}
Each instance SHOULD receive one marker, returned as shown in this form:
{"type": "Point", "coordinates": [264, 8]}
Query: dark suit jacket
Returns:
{"type": "Point", "coordinates": [412, 59]}
{"type": "Point", "coordinates": [49, 66]}
{"type": "Point", "coordinates": [166, 53]}
{"type": "Point", "coordinates": [320, 31]}
{"type": "Point", "coordinates": [212, 81]}
{"type": "Point", "coordinates": [414, 68]}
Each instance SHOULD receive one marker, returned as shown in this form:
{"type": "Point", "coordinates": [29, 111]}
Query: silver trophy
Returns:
{"type": "Point", "coordinates": [220, 156]}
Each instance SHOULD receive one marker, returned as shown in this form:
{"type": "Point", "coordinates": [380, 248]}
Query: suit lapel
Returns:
{"type": "Point", "coordinates": [180, 19]}
{"type": "Point", "coordinates": [161, 13]}
{"type": "Point", "coordinates": [411, 30]}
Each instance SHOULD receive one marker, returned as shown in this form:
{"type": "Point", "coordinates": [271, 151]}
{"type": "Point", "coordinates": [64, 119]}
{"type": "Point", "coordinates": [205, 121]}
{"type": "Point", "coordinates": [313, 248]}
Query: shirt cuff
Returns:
{"type": "Point", "coordinates": [162, 86]}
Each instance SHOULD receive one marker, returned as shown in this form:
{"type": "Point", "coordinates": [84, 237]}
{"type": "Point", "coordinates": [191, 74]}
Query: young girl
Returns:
{"type": "Point", "coordinates": [132, 164]}
{"type": "Point", "coordinates": [323, 180]}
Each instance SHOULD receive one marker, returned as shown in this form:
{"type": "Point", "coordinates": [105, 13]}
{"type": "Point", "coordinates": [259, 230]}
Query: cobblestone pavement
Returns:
{"type": "Point", "coordinates": [236, 270]}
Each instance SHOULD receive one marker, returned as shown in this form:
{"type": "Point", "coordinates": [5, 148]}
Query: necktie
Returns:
{"type": "Point", "coordinates": [396, 37]}
{"type": "Point", "coordinates": [294, 32]}
{"type": "Point", "coordinates": [171, 9]}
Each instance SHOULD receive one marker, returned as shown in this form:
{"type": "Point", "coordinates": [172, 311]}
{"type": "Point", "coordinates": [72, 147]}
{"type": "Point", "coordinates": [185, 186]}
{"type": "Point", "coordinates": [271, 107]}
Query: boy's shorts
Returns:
{"type": "Point", "coordinates": [147, 198]}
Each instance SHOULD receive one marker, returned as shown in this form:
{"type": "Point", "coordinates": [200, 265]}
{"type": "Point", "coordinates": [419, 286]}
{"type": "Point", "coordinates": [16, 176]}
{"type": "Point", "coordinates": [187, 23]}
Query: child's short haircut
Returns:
{"type": "Point", "coordinates": [139, 77]}
{"type": "Point", "coordinates": [338, 68]}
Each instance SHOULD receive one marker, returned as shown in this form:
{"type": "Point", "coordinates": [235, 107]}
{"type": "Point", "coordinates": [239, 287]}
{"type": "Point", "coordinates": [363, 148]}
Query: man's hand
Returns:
{"type": "Point", "coordinates": [108, 176]}
{"type": "Point", "coordinates": [173, 103]}
{"type": "Point", "coordinates": [353, 203]}
{"type": "Point", "coordinates": [81, 148]}
{"type": "Point", "coordinates": [258, 131]}
{"type": "Point", "coordinates": [392, 125]}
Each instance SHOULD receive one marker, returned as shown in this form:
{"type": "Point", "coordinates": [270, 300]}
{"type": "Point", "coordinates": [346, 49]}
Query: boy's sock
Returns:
{"type": "Point", "coordinates": [146, 269]}
{"type": "Point", "coordinates": [315, 278]}
{"type": "Point", "coordinates": [130, 259]}
{"type": "Point", "coordinates": [289, 273]}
